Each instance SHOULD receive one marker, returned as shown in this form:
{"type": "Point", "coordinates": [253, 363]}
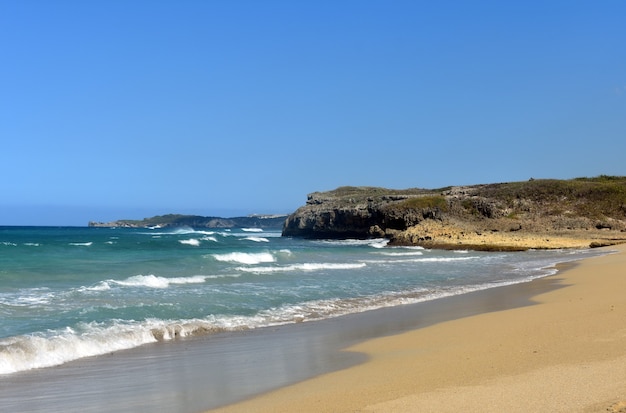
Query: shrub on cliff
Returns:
{"type": "Point", "coordinates": [420, 203]}
{"type": "Point", "coordinates": [603, 196]}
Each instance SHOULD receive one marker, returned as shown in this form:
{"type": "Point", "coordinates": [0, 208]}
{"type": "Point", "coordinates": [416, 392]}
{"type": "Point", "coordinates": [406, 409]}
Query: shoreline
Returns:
{"type": "Point", "coordinates": [206, 372]}
{"type": "Point", "coordinates": [565, 352]}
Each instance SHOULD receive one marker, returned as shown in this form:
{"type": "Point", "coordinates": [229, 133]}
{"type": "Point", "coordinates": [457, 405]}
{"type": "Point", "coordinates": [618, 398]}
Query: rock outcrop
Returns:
{"type": "Point", "coordinates": [508, 216]}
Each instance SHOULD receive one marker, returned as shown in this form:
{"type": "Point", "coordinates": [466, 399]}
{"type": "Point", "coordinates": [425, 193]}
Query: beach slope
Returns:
{"type": "Point", "coordinates": [566, 353]}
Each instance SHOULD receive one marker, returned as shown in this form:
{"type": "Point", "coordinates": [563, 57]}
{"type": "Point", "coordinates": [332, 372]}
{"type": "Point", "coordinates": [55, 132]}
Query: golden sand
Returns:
{"type": "Point", "coordinates": [566, 353]}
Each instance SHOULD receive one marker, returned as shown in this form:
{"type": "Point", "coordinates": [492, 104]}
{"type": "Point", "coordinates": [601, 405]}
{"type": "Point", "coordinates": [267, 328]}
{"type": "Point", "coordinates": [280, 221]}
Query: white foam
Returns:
{"type": "Point", "coordinates": [154, 281]}
{"type": "Point", "coordinates": [203, 232]}
{"type": "Point", "coordinates": [192, 241]}
{"type": "Point", "coordinates": [151, 281]}
{"type": "Point", "coordinates": [256, 239]}
{"type": "Point", "coordinates": [101, 286]}
{"type": "Point", "coordinates": [329, 308]}
{"type": "Point", "coordinates": [401, 254]}
{"type": "Point", "coordinates": [8, 244]}
{"type": "Point", "coordinates": [180, 231]}
{"type": "Point", "coordinates": [379, 243]}
{"type": "Point", "coordinates": [82, 244]}
{"type": "Point", "coordinates": [30, 352]}
{"type": "Point", "coordinates": [305, 267]}
{"type": "Point", "coordinates": [245, 257]}
{"type": "Point", "coordinates": [420, 260]}
{"type": "Point", "coordinates": [374, 242]}
{"type": "Point", "coordinates": [92, 339]}
{"type": "Point", "coordinates": [444, 259]}
{"type": "Point", "coordinates": [31, 297]}
{"type": "Point", "coordinates": [252, 229]}
{"type": "Point", "coordinates": [89, 339]}
{"type": "Point", "coordinates": [272, 234]}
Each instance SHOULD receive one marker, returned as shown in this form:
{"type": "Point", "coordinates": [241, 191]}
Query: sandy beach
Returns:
{"type": "Point", "coordinates": [564, 353]}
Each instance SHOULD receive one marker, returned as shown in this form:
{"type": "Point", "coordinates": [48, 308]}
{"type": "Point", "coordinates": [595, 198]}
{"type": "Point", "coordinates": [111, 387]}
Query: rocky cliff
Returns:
{"type": "Point", "coordinates": [542, 213]}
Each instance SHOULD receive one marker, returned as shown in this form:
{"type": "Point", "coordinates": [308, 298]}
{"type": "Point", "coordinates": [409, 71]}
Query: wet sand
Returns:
{"type": "Point", "coordinates": [565, 353]}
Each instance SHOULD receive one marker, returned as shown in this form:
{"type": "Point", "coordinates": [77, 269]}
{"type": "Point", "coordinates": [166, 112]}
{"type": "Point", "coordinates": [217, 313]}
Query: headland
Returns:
{"type": "Point", "coordinates": [534, 214]}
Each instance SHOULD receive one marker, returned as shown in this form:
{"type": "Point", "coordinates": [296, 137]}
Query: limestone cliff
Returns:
{"type": "Point", "coordinates": [538, 213]}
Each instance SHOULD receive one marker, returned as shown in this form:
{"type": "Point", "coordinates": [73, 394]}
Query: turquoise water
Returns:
{"type": "Point", "coordinates": [69, 293]}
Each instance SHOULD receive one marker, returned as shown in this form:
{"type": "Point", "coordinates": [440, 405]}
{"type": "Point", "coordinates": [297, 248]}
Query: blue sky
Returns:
{"type": "Point", "coordinates": [128, 109]}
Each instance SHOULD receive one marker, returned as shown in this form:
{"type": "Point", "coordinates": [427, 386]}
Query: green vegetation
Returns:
{"type": "Point", "coordinates": [168, 219]}
{"type": "Point", "coordinates": [421, 202]}
{"type": "Point", "coordinates": [597, 197]}
{"type": "Point", "coordinates": [602, 178]}
{"type": "Point", "coordinates": [469, 206]}
{"type": "Point", "coordinates": [603, 196]}
{"type": "Point", "coordinates": [364, 192]}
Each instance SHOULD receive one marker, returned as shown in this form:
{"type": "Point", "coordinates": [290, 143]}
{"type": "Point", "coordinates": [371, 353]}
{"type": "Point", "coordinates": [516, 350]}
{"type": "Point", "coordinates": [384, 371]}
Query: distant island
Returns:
{"type": "Point", "coordinates": [196, 221]}
{"type": "Point", "coordinates": [533, 214]}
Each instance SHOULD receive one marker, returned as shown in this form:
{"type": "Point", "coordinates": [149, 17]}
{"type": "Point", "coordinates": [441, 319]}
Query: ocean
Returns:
{"type": "Point", "coordinates": [70, 293]}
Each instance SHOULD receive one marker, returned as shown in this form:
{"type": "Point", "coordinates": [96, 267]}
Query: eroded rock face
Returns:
{"type": "Point", "coordinates": [357, 213]}
{"type": "Point", "coordinates": [331, 221]}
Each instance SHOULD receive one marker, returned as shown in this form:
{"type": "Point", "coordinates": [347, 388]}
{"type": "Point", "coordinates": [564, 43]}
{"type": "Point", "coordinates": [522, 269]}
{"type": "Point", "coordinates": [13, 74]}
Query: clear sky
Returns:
{"type": "Point", "coordinates": [128, 109]}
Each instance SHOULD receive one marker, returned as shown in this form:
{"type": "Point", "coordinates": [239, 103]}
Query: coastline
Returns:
{"type": "Point", "coordinates": [565, 353]}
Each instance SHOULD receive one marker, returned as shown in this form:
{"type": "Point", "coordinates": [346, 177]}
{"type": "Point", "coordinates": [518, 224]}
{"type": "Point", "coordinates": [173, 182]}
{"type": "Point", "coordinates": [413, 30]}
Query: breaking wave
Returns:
{"type": "Point", "coordinates": [153, 281]}
{"type": "Point", "coordinates": [374, 243]}
{"type": "Point", "coordinates": [149, 281]}
{"type": "Point", "coordinates": [56, 347]}
{"type": "Point", "coordinates": [245, 257]}
{"type": "Point", "coordinates": [401, 254]}
{"type": "Point", "coordinates": [256, 239]}
{"type": "Point", "coordinates": [192, 241]}
{"type": "Point", "coordinates": [28, 352]}
{"type": "Point", "coordinates": [304, 267]}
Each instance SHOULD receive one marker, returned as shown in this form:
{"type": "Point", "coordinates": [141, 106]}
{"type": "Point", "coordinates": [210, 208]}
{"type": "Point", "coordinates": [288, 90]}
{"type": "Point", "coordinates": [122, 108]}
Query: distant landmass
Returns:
{"type": "Point", "coordinates": [538, 213]}
{"type": "Point", "coordinates": [196, 221]}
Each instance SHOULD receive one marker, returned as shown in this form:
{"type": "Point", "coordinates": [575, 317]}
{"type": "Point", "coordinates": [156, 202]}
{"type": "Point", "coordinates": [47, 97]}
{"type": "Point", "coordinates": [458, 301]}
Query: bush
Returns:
{"type": "Point", "coordinates": [423, 202]}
